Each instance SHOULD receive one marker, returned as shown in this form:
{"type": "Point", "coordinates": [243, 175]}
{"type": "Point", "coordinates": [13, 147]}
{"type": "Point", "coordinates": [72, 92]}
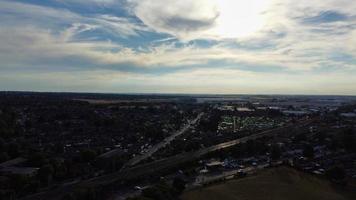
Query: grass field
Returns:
{"type": "Point", "coordinates": [273, 184]}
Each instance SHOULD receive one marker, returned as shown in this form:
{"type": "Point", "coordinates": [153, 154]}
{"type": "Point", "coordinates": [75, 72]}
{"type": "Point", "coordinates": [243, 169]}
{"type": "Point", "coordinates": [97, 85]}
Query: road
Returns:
{"type": "Point", "coordinates": [159, 165]}
{"type": "Point", "coordinates": [166, 141]}
{"type": "Point", "coordinates": [174, 161]}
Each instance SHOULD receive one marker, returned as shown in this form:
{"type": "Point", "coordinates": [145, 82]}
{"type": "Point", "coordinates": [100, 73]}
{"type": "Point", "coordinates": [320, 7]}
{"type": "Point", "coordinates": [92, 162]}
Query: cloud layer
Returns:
{"type": "Point", "coordinates": [282, 46]}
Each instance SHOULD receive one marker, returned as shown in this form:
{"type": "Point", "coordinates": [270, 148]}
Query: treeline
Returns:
{"type": "Point", "coordinates": [8, 126]}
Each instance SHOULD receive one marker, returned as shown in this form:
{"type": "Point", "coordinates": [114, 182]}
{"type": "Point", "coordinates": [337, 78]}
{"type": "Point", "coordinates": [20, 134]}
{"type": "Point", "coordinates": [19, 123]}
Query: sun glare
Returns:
{"type": "Point", "coordinates": [239, 18]}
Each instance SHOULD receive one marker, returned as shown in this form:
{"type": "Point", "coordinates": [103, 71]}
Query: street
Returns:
{"type": "Point", "coordinates": [162, 144]}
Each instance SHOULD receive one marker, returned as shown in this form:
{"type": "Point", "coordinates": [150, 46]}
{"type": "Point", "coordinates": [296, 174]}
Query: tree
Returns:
{"type": "Point", "coordinates": [333, 144]}
{"type": "Point", "coordinates": [161, 191]}
{"type": "Point", "coordinates": [336, 173]}
{"type": "Point", "coordinates": [38, 159]}
{"type": "Point", "coordinates": [87, 155]}
{"type": "Point", "coordinates": [87, 194]}
{"type": "Point", "coordinates": [179, 184]}
{"type": "Point", "coordinates": [2, 145]}
{"type": "Point", "coordinates": [4, 157]}
{"type": "Point", "coordinates": [18, 182]}
{"type": "Point", "coordinates": [13, 150]}
{"type": "Point", "coordinates": [250, 147]}
{"type": "Point", "coordinates": [211, 123]}
{"type": "Point", "coordinates": [321, 136]}
{"type": "Point", "coordinates": [60, 170]}
{"type": "Point", "coordinates": [32, 186]}
{"type": "Point", "coordinates": [276, 152]}
{"type": "Point", "coordinates": [348, 140]}
{"type": "Point", "coordinates": [7, 124]}
{"type": "Point", "coordinates": [308, 151]}
{"type": "Point", "coordinates": [45, 174]}
{"type": "Point", "coordinates": [300, 137]}
{"type": "Point", "coordinates": [69, 197]}
{"type": "Point", "coordinates": [58, 148]}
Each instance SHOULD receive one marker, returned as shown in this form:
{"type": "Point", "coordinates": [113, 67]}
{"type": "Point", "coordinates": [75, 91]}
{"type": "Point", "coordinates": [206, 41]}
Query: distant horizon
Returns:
{"type": "Point", "coordinates": [171, 94]}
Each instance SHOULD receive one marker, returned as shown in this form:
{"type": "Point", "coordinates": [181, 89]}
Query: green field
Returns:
{"type": "Point", "coordinates": [273, 184]}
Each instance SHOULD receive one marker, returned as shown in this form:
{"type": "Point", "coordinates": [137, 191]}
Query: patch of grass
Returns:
{"type": "Point", "coordinates": [273, 184]}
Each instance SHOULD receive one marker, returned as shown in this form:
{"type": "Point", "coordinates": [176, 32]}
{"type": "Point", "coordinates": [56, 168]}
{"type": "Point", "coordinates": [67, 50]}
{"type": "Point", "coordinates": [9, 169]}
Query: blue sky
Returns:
{"type": "Point", "coordinates": [179, 46]}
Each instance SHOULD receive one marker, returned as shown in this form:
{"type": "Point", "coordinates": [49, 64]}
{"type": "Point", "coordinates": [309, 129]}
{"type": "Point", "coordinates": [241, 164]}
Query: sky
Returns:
{"type": "Point", "coordinates": [179, 46]}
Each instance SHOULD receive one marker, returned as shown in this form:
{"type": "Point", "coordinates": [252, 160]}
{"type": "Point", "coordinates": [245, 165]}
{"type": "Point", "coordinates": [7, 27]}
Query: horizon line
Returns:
{"type": "Point", "coordinates": [171, 93]}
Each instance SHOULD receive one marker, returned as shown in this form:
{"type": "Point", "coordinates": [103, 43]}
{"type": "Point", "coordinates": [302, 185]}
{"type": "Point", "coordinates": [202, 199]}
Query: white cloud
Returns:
{"type": "Point", "coordinates": [30, 46]}
{"type": "Point", "coordinates": [207, 19]}
{"type": "Point", "coordinates": [294, 44]}
{"type": "Point", "coordinates": [21, 14]}
{"type": "Point", "coordinates": [35, 38]}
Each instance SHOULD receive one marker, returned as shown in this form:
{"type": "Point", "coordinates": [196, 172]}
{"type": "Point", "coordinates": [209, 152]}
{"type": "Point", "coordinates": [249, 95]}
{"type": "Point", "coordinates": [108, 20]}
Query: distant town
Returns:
{"type": "Point", "coordinates": [73, 146]}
